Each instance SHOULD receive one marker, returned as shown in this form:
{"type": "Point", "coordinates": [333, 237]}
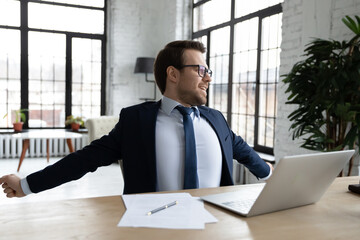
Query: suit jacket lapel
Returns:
{"type": "Point", "coordinates": [147, 120]}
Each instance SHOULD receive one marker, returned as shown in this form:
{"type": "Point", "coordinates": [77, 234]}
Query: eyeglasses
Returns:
{"type": "Point", "coordinates": [202, 70]}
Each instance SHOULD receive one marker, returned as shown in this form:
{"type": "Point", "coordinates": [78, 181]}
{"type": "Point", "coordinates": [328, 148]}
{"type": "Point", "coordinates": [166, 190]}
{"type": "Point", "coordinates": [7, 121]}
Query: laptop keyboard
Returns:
{"type": "Point", "coordinates": [243, 205]}
{"type": "Point", "coordinates": [245, 199]}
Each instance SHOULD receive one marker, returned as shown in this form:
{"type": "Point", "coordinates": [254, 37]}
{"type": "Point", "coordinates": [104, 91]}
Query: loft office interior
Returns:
{"type": "Point", "coordinates": [61, 58]}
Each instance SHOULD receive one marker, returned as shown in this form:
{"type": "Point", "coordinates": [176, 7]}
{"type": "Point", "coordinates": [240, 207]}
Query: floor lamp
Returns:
{"type": "Point", "coordinates": [146, 65]}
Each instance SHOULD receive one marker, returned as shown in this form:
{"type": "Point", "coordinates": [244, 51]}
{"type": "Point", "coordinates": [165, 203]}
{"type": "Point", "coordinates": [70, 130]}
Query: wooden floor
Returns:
{"type": "Point", "coordinates": [106, 181]}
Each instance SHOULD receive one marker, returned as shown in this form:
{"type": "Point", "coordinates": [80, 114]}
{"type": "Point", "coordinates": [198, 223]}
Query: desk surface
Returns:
{"type": "Point", "coordinates": [47, 134]}
{"type": "Point", "coordinates": [335, 216]}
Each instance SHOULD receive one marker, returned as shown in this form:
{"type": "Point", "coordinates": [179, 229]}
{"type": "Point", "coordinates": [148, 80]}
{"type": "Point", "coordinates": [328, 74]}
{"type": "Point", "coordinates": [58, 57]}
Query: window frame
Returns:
{"type": "Point", "coordinates": [24, 60]}
{"type": "Point", "coordinates": [261, 14]}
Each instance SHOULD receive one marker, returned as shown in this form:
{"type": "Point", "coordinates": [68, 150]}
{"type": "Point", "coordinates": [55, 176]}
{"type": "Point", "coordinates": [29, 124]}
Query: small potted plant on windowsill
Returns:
{"type": "Point", "coordinates": [74, 122]}
{"type": "Point", "coordinates": [20, 118]}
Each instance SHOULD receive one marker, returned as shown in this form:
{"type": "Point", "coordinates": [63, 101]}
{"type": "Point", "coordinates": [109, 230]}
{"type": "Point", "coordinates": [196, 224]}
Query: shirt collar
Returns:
{"type": "Point", "coordinates": [168, 105]}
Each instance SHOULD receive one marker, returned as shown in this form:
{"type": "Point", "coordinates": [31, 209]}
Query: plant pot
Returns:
{"type": "Point", "coordinates": [18, 126]}
{"type": "Point", "coordinates": [75, 127]}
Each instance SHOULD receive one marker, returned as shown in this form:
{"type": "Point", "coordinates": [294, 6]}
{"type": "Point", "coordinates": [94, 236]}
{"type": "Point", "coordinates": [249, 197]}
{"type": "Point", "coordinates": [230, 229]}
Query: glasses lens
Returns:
{"type": "Point", "coordinates": [209, 72]}
{"type": "Point", "coordinates": [202, 71]}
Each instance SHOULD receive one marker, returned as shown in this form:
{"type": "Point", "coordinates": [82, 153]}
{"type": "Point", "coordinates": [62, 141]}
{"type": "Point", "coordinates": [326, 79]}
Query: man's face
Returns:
{"type": "Point", "coordinates": [191, 88]}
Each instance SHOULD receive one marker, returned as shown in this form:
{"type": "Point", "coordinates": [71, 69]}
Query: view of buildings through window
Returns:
{"type": "Point", "coordinates": [51, 65]}
{"type": "Point", "coordinates": [243, 42]}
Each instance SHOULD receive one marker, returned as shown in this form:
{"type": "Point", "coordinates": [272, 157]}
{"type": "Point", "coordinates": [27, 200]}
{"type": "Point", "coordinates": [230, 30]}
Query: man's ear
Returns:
{"type": "Point", "coordinates": [172, 74]}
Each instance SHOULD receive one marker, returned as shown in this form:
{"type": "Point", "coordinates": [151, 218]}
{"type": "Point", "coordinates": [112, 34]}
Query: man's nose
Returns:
{"type": "Point", "coordinates": [207, 78]}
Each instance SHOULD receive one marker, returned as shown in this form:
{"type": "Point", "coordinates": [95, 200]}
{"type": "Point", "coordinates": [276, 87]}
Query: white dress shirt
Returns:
{"type": "Point", "coordinates": [170, 149]}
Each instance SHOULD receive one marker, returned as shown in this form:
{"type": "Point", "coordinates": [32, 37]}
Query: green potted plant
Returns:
{"type": "Point", "coordinates": [326, 89]}
{"type": "Point", "coordinates": [20, 118]}
{"type": "Point", "coordinates": [74, 122]}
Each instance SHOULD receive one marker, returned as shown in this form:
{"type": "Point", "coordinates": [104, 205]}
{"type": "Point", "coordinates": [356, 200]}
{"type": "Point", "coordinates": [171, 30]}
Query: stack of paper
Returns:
{"type": "Point", "coordinates": [188, 213]}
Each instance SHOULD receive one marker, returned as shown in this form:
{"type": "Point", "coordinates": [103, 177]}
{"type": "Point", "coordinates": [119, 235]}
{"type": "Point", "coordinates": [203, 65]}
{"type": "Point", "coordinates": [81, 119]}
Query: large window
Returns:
{"type": "Point", "coordinates": [243, 42]}
{"type": "Point", "coordinates": [52, 60]}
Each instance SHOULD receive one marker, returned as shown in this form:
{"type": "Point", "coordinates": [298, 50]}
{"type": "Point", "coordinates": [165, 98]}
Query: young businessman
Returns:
{"type": "Point", "coordinates": [150, 137]}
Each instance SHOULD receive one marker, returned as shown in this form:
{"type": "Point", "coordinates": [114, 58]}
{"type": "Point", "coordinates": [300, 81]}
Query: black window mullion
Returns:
{"type": "Point", "coordinates": [68, 76]}
{"type": "Point", "coordinates": [208, 61]}
{"type": "Point", "coordinates": [200, 3]}
{"type": "Point", "coordinates": [257, 97]}
{"type": "Point", "coordinates": [24, 62]}
{"type": "Point", "coordinates": [231, 62]}
{"type": "Point", "coordinates": [103, 66]}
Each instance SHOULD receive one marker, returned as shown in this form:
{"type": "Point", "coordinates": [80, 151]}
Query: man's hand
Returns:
{"type": "Point", "coordinates": [11, 185]}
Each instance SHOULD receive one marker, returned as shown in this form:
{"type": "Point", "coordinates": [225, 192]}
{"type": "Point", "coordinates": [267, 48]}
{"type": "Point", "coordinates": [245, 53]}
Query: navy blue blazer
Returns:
{"type": "Point", "coordinates": [133, 140]}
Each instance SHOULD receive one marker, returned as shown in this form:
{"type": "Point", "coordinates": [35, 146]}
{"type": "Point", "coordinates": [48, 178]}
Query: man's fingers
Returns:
{"type": "Point", "coordinates": [2, 180]}
{"type": "Point", "coordinates": [5, 179]}
{"type": "Point", "coordinates": [8, 190]}
{"type": "Point", "coordinates": [5, 185]}
{"type": "Point", "coordinates": [10, 194]}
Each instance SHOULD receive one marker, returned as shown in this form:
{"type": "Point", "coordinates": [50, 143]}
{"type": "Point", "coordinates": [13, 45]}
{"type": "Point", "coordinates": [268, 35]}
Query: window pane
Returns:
{"type": "Point", "coordinates": [86, 77]}
{"type": "Point", "coordinates": [10, 13]}
{"type": "Point", "coordinates": [269, 77]}
{"type": "Point", "coordinates": [245, 51]}
{"type": "Point", "coordinates": [243, 8]}
{"type": "Point", "coordinates": [270, 63]}
{"type": "Point", "coordinates": [219, 64]}
{"type": "Point", "coordinates": [219, 55]}
{"type": "Point", "coordinates": [46, 79]}
{"type": "Point", "coordinates": [92, 3]}
{"type": "Point", "coordinates": [244, 98]}
{"type": "Point", "coordinates": [218, 94]}
{"type": "Point", "coordinates": [203, 40]}
{"type": "Point", "coordinates": [266, 132]}
{"type": "Point", "coordinates": [244, 127]}
{"type": "Point", "coordinates": [9, 75]}
{"type": "Point", "coordinates": [208, 14]}
{"type": "Point", "coordinates": [271, 32]}
{"type": "Point", "coordinates": [267, 101]}
{"type": "Point", "coordinates": [51, 17]}
{"type": "Point", "coordinates": [243, 108]}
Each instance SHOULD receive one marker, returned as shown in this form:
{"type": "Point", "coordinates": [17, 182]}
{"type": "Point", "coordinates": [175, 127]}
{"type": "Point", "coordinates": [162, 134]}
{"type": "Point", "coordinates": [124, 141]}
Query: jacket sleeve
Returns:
{"type": "Point", "coordinates": [245, 155]}
{"type": "Point", "coordinates": [101, 152]}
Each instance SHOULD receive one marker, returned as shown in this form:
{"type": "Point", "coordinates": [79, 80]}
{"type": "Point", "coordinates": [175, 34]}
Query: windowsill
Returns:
{"type": "Point", "coordinates": [267, 157]}
{"type": "Point", "coordinates": [11, 131]}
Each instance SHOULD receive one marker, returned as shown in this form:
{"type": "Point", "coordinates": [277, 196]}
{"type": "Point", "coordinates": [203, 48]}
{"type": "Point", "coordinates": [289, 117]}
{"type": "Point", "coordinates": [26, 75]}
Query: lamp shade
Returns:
{"type": "Point", "coordinates": [144, 65]}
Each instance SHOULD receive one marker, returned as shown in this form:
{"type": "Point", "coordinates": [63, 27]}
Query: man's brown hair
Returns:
{"type": "Point", "coordinates": [172, 55]}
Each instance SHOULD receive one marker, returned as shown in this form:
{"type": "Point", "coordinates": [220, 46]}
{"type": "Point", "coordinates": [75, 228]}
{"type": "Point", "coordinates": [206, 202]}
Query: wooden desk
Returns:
{"type": "Point", "coordinates": [335, 216]}
{"type": "Point", "coordinates": [45, 134]}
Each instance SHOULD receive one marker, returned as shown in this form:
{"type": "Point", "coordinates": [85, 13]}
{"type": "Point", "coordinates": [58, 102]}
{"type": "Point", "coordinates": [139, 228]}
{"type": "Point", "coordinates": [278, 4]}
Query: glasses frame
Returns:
{"type": "Point", "coordinates": [208, 71]}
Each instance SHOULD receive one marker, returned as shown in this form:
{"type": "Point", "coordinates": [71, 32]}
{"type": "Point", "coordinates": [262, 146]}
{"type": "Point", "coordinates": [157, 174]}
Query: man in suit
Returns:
{"type": "Point", "coordinates": [149, 137]}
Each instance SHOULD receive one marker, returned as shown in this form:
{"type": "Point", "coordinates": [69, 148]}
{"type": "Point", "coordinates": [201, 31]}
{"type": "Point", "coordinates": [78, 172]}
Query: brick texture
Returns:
{"type": "Point", "coordinates": [302, 21]}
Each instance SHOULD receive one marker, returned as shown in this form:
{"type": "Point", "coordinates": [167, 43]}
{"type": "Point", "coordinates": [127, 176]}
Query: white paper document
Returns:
{"type": "Point", "coordinates": [188, 213]}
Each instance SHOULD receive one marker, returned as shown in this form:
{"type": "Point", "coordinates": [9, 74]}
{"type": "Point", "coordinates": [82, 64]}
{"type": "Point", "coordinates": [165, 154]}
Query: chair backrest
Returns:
{"type": "Point", "coordinates": [100, 126]}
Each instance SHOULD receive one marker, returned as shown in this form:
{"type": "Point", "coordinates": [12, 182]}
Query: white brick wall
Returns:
{"type": "Point", "coordinates": [139, 28]}
{"type": "Point", "coordinates": [303, 20]}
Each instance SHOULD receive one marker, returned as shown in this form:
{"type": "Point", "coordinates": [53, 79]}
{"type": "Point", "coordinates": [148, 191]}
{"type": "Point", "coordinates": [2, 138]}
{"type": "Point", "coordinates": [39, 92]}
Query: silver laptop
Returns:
{"type": "Point", "coordinates": [296, 181]}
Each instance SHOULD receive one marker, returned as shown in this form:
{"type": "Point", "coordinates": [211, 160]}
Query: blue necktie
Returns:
{"type": "Point", "coordinates": [190, 175]}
